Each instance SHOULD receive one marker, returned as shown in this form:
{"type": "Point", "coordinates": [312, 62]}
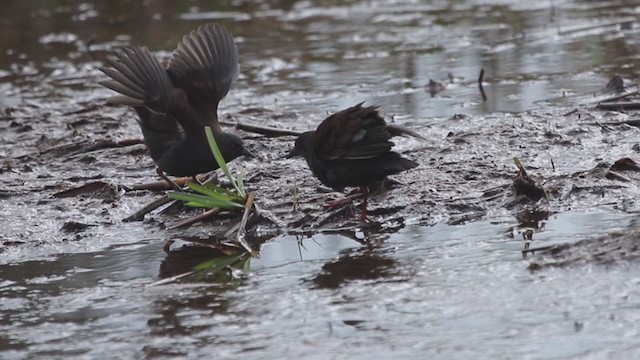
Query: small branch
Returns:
{"type": "Point", "coordinates": [190, 221]}
{"type": "Point", "coordinates": [170, 279]}
{"type": "Point", "coordinates": [243, 223]}
{"type": "Point", "coordinates": [619, 97]}
{"type": "Point", "coordinates": [159, 185]}
{"type": "Point", "coordinates": [619, 106]}
{"type": "Point", "coordinates": [139, 215]}
{"type": "Point", "coordinates": [613, 175]}
{"type": "Point", "coordinates": [262, 130]}
{"type": "Point", "coordinates": [484, 96]}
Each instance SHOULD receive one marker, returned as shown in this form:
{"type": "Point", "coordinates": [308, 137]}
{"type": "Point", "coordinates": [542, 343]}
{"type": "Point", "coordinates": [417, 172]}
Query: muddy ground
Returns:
{"type": "Point", "coordinates": [453, 263]}
{"type": "Point", "coordinates": [69, 174]}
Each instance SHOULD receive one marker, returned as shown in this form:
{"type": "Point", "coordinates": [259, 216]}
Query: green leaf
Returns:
{"type": "Point", "coordinates": [196, 204]}
{"type": "Point", "coordinates": [204, 201]}
{"type": "Point", "coordinates": [215, 192]}
{"type": "Point", "coordinates": [217, 154]}
{"type": "Point", "coordinates": [240, 180]}
{"type": "Point", "coordinates": [224, 191]}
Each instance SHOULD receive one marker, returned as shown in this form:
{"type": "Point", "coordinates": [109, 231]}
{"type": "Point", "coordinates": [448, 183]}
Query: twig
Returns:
{"type": "Point", "coordinates": [484, 96]}
{"type": "Point", "coordinates": [170, 279]}
{"type": "Point", "coordinates": [542, 248]}
{"type": "Point", "coordinates": [262, 130]}
{"type": "Point", "coordinates": [243, 223]}
{"type": "Point", "coordinates": [521, 169]}
{"type": "Point", "coordinates": [105, 144]}
{"type": "Point", "coordinates": [190, 221]}
{"type": "Point", "coordinates": [159, 185]}
{"type": "Point", "coordinates": [619, 97]}
{"type": "Point", "coordinates": [570, 112]}
{"type": "Point", "coordinates": [139, 215]}
{"type": "Point", "coordinates": [613, 175]}
{"type": "Point", "coordinates": [579, 29]}
{"type": "Point", "coordinates": [81, 111]}
{"type": "Point", "coordinates": [619, 106]}
{"type": "Point", "coordinates": [269, 216]}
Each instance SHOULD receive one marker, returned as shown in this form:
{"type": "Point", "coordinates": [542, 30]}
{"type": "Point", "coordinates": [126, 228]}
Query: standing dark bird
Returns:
{"type": "Point", "coordinates": [175, 104]}
{"type": "Point", "coordinates": [352, 148]}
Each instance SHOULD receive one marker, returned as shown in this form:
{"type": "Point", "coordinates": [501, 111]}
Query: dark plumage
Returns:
{"type": "Point", "coordinates": [352, 148]}
{"type": "Point", "coordinates": [175, 104]}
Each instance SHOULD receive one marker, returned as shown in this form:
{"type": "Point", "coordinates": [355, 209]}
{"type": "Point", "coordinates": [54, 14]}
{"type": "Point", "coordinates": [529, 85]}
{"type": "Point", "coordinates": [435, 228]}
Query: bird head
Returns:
{"type": "Point", "coordinates": [302, 146]}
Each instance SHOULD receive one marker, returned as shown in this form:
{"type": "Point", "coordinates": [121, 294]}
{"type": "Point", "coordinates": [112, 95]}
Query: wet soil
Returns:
{"type": "Point", "coordinates": [455, 260]}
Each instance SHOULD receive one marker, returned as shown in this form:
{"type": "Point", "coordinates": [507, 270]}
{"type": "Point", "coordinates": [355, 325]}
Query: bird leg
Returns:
{"type": "Point", "coordinates": [169, 181]}
{"type": "Point", "coordinates": [364, 193]}
{"type": "Point", "coordinates": [339, 202]}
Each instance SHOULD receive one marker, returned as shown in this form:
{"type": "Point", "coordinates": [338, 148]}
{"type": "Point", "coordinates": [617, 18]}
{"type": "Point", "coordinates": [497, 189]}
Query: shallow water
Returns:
{"type": "Point", "coordinates": [442, 291]}
{"type": "Point", "coordinates": [452, 282]}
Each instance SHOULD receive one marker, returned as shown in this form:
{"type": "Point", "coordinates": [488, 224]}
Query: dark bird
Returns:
{"type": "Point", "coordinates": [352, 148]}
{"type": "Point", "coordinates": [175, 104]}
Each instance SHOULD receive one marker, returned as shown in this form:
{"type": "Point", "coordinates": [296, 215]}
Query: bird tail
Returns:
{"type": "Point", "coordinates": [140, 78]}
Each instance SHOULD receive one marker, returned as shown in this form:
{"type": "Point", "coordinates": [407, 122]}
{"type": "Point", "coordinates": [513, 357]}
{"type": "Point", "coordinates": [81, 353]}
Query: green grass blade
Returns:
{"type": "Point", "coordinates": [240, 180]}
{"type": "Point", "coordinates": [224, 191]}
{"type": "Point", "coordinates": [204, 201]}
{"type": "Point", "coordinates": [215, 192]}
{"type": "Point", "coordinates": [217, 154]}
{"type": "Point", "coordinates": [197, 205]}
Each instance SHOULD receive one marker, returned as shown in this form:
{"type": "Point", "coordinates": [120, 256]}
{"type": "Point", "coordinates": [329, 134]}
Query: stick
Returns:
{"type": "Point", "coordinates": [190, 221]}
{"type": "Point", "coordinates": [619, 97]}
{"type": "Point", "coordinates": [484, 96]}
{"type": "Point", "coordinates": [170, 279]}
{"type": "Point", "coordinates": [139, 215]}
{"type": "Point", "coordinates": [623, 105]}
{"type": "Point", "coordinates": [262, 130]}
{"type": "Point", "coordinates": [243, 223]}
{"type": "Point", "coordinates": [159, 185]}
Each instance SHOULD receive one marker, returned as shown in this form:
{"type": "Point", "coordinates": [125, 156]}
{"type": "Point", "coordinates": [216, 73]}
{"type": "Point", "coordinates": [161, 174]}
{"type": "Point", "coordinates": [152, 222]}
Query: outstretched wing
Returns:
{"type": "Point", "coordinates": [204, 65]}
{"type": "Point", "coordinates": [139, 77]}
{"type": "Point", "coordinates": [143, 82]}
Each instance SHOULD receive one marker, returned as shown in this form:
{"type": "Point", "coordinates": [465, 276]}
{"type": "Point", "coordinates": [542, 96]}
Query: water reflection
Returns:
{"type": "Point", "coordinates": [357, 265]}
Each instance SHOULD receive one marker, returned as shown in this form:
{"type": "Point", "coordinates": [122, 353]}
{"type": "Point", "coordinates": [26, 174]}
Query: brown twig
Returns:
{"type": "Point", "coordinates": [171, 279]}
{"type": "Point", "coordinates": [139, 215]}
{"type": "Point", "coordinates": [484, 96]}
{"type": "Point", "coordinates": [262, 130]}
{"type": "Point", "coordinates": [619, 97]}
{"type": "Point", "coordinates": [619, 106]}
{"type": "Point", "coordinates": [243, 223]}
{"type": "Point", "coordinates": [594, 27]}
{"type": "Point", "coordinates": [190, 221]}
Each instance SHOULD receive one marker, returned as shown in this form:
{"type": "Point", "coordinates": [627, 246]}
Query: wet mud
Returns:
{"type": "Point", "coordinates": [466, 254]}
